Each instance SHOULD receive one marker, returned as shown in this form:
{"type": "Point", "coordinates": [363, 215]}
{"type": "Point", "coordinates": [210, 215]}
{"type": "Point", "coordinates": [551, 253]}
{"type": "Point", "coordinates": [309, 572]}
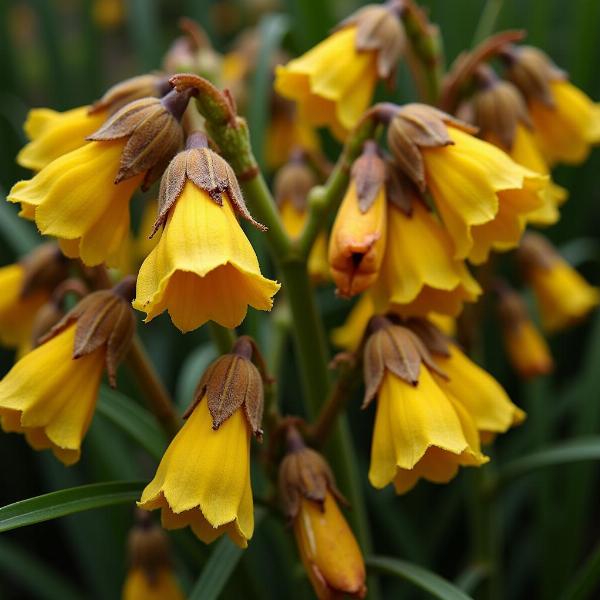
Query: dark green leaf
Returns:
{"type": "Point", "coordinates": [18, 234]}
{"type": "Point", "coordinates": [586, 580]}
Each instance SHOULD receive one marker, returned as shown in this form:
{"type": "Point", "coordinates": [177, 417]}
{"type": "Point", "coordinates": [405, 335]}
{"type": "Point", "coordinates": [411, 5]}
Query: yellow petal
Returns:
{"type": "Point", "coordinates": [285, 132]}
{"type": "Point", "coordinates": [293, 219]}
{"type": "Point", "coordinates": [349, 335]}
{"type": "Point", "coordinates": [161, 586]}
{"type": "Point", "coordinates": [203, 268]}
{"type": "Point", "coordinates": [527, 350]}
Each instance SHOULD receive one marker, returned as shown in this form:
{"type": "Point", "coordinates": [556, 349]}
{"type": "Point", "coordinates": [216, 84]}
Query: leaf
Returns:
{"type": "Point", "coordinates": [66, 502]}
{"type": "Point", "coordinates": [219, 567]}
{"type": "Point", "coordinates": [585, 582]}
{"type": "Point", "coordinates": [420, 577]}
{"type": "Point", "coordinates": [134, 420]}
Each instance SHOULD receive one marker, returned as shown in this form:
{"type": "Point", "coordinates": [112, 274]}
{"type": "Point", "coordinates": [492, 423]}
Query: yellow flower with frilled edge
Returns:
{"type": "Point", "coordinates": [419, 274]}
{"type": "Point", "coordinates": [203, 268]}
{"type": "Point", "coordinates": [526, 348]}
{"type": "Point", "coordinates": [566, 121]}
{"type": "Point", "coordinates": [358, 238]}
{"type": "Point", "coordinates": [50, 394]}
{"type": "Point", "coordinates": [482, 196]}
{"type": "Point", "coordinates": [420, 431]}
{"type": "Point", "coordinates": [333, 83]}
{"type": "Point", "coordinates": [203, 480]}
{"type": "Point", "coordinates": [82, 197]}
{"type": "Point", "coordinates": [484, 399]}
{"type": "Point", "coordinates": [563, 296]}
{"type": "Point", "coordinates": [328, 549]}
{"type": "Point", "coordinates": [25, 287]}
{"type": "Point", "coordinates": [150, 575]}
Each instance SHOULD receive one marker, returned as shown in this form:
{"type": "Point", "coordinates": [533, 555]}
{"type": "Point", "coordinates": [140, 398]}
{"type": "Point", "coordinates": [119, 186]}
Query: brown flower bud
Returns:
{"type": "Point", "coordinates": [536, 252]}
{"type": "Point", "coordinates": [293, 182]}
{"type": "Point", "coordinates": [232, 382]}
{"type": "Point", "coordinates": [44, 267]}
{"type": "Point", "coordinates": [396, 349]}
{"type": "Point", "coordinates": [153, 131]}
{"type": "Point", "coordinates": [208, 171]}
{"type": "Point", "coordinates": [104, 318]}
{"type": "Point", "coordinates": [416, 126]}
{"type": "Point", "coordinates": [379, 28]}
{"type": "Point", "coordinates": [532, 71]}
{"type": "Point", "coordinates": [153, 85]}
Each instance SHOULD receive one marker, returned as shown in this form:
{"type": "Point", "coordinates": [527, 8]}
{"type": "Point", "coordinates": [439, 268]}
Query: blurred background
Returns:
{"type": "Point", "coordinates": [545, 525]}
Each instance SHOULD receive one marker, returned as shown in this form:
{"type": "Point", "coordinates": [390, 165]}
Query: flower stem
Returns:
{"type": "Point", "coordinates": [154, 392]}
{"type": "Point", "coordinates": [222, 337]}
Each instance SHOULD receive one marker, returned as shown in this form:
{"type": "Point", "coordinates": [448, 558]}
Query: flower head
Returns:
{"type": "Point", "coordinates": [333, 83]}
{"type": "Point", "coordinates": [50, 394]}
{"type": "Point", "coordinates": [328, 549]}
{"type": "Point", "coordinates": [203, 480]}
{"type": "Point", "coordinates": [564, 297]}
{"type": "Point", "coordinates": [203, 267]}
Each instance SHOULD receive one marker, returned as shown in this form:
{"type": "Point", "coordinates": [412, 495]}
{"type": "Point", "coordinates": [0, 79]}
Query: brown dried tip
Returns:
{"type": "Point", "coordinates": [396, 349]}
{"type": "Point", "coordinates": [416, 126]}
{"type": "Point", "coordinates": [294, 181]}
{"type": "Point", "coordinates": [379, 28]}
{"type": "Point", "coordinates": [103, 318]}
{"type": "Point", "coordinates": [153, 85]}
{"type": "Point", "coordinates": [532, 71]}
{"type": "Point", "coordinates": [535, 252]}
{"type": "Point", "coordinates": [148, 547]}
{"type": "Point", "coordinates": [496, 109]}
{"type": "Point", "coordinates": [369, 175]}
{"type": "Point", "coordinates": [232, 382]}
{"type": "Point", "coordinates": [304, 473]}
{"type": "Point", "coordinates": [209, 172]}
{"type": "Point", "coordinates": [45, 267]}
{"type": "Point", "coordinates": [153, 131]}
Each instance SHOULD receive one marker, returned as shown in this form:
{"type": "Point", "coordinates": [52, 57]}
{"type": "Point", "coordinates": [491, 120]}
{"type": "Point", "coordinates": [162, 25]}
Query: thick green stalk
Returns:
{"type": "Point", "coordinates": [222, 337]}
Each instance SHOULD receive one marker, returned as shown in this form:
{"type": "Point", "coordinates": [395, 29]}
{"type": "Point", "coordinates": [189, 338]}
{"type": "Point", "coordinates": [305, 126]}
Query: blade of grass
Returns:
{"type": "Point", "coordinates": [586, 580]}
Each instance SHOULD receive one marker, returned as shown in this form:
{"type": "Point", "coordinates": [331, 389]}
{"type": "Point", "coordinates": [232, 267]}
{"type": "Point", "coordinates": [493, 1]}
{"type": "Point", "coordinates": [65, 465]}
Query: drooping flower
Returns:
{"type": "Point", "coordinates": [482, 196]}
{"type": "Point", "coordinates": [329, 551]}
{"type": "Point", "coordinates": [420, 431]}
{"type": "Point", "coordinates": [564, 297]}
{"type": "Point", "coordinates": [82, 197]}
{"type": "Point", "coordinates": [203, 480]}
{"type": "Point", "coordinates": [333, 83]}
{"type": "Point", "coordinates": [566, 121]}
{"type": "Point", "coordinates": [50, 394]}
{"type": "Point", "coordinates": [203, 268]}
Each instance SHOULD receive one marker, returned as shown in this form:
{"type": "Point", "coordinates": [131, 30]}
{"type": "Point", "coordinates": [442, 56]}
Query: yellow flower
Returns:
{"type": "Point", "coordinates": [566, 130]}
{"type": "Point", "coordinates": [144, 244]}
{"type": "Point", "coordinates": [50, 396]}
{"type": "Point", "coordinates": [418, 274]}
{"type": "Point", "coordinates": [53, 134]}
{"type": "Point", "coordinates": [328, 549]}
{"type": "Point", "coordinates": [203, 480]}
{"type": "Point", "coordinates": [108, 14]}
{"type": "Point", "coordinates": [333, 83]}
{"type": "Point", "coordinates": [203, 268]}
{"type": "Point", "coordinates": [349, 335]}
{"type": "Point", "coordinates": [161, 586]}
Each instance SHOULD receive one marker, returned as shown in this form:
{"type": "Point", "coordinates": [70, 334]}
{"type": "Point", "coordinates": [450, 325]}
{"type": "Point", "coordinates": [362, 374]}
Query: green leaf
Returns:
{"type": "Point", "coordinates": [585, 582]}
{"type": "Point", "coordinates": [134, 420]}
{"type": "Point", "coordinates": [219, 567]}
{"type": "Point", "coordinates": [67, 502]}
{"type": "Point", "coordinates": [420, 577]}
{"type": "Point", "coordinates": [33, 575]}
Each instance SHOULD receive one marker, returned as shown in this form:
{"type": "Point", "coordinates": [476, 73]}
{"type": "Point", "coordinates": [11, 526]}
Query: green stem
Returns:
{"type": "Point", "coordinates": [487, 21]}
{"type": "Point", "coordinates": [222, 337]}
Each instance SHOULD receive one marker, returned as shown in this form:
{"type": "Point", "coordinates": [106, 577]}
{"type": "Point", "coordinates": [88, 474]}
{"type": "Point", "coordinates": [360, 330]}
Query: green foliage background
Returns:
{"type": "Point", "coordinates": [532, 515]}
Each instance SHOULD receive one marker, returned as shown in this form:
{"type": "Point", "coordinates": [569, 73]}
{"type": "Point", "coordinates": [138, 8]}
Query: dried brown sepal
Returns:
{"type": "Point", "coordinates": [154, 135]}
{"type": "Point", "coordinates": [304, 473]}
{"type": "Point", "coordinates": [232, 382]}
{"type": "Point", "coordinates": [532, 71]}
{"type": "Point", "coordinates": [536, 252]}
{"type": "Point", "coordinates": [399, 190]}
{"type": "Point", "coordinates": [369, 175]}
{"type": "Point", "coordinates": [45, 318]}
{"type": "Point", "coordinates": [293, 182]}
{"type": "Point", "coordinates": [104, 318]}
{"type": "Point", "coordinates": [208, 171]}
{"type": "Point", "coordinates": [44, 268]}
{"type": "Point", "coordinates": [148, 547]}
{"type": "Point", "coordinates": [378, 28]}
{"type": "Point", "coordinates": [512, 309]}
{"type": "Point", "coordinates": [396, 349]}
{"type": "Point", "coordinates": [153, 85]}
{"type": "Point", "coordinates": [416, 126]}
{"type": "Point", "coordinates": [436, 341]}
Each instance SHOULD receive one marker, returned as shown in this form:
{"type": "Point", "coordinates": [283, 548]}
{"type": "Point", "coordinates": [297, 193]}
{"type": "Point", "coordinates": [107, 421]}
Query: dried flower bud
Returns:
{"type": "Point", "coordinates": [396, 349]}
{"type": "Point", "coordinates": [44, 268]}
{"type": "Point", "coordinates": [416, 126]}
{"type": "Point", "coordinates": [232, 382]}
{"type": "Point", "coordinates": [104, 318]}
{"type": "Point", "coordinates": [153, 131]}
{"type": "Point", "coordinates": [148, 546]}
{"type": "Point", "coordinates": [378, 28]}
{"type": "Point", "coordinates": [293, 182]}
{"type": "Point", "coordinates": [153, 85]}
{"type": "Point", "coordinates": [532, 71]}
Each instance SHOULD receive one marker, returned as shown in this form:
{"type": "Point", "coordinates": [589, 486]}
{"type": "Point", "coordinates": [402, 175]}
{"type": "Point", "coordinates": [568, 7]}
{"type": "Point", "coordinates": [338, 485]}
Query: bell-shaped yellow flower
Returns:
{"type": "Point", "coordinates": [203, 480]}
{"type": "Point", "coordinates": [53, 134]}
{"type": "Point", "coordinates": [419, 274]}
{"type": "Point", "coordinates": [162, 585]}
{"type": "Point", "coordinates": [203, 268]}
